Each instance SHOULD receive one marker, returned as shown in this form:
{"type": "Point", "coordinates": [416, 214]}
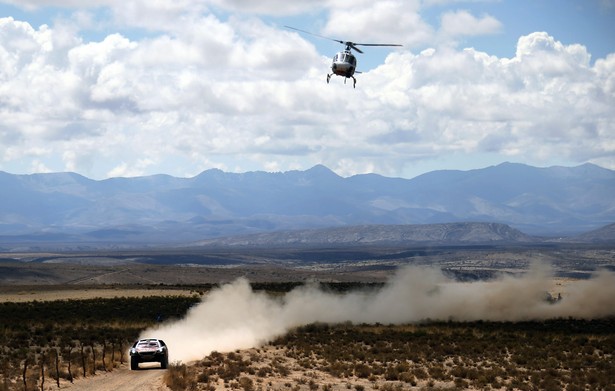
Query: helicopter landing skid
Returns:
{"type": "Point", "coordinates": [354, 81]}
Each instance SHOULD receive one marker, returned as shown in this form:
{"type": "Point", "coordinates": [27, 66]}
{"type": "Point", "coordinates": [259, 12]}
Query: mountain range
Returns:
{"type": "Point", "coordinates": [68, 207]}
{"type": "Point", "coordinates": [393, 235]}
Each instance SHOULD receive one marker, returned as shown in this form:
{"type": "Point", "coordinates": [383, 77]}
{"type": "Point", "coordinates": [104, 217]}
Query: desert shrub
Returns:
{"type": "Point", "coordinates": [392, 387]}
{"type": "Point", "coordinates": [281, 369]}
{"type": "Point", "coordinates": [264, 371]}
{"type": "Point", "coordinates": [105, 327]}
{"type": "Point", "coordinates": [420, 373]}
{"type": "Point", "coordinates": [362, 370]}
{"type": "Point", "coordinates": [461, 383]}
{"type": "Point", "coordinates": [246, 383]}
{"type": "Point", "coordinates": [178, 377]}
{"type": "Point", "coordinates": [439, 373]}
{"type": "Point", "coordinates": [509, 355]}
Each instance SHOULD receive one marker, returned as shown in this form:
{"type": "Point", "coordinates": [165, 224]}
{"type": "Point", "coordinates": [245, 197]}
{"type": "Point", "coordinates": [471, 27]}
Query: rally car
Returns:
{"type": "Point", "coordinates": [149, 350]}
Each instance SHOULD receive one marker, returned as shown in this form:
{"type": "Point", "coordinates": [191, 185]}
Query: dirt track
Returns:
{"type": "Point", "coordinates": [149, 378]}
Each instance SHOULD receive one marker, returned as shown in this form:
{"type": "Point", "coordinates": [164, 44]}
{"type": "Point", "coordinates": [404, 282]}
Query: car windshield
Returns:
{"type": "Point", "coordinates": [151, 344]}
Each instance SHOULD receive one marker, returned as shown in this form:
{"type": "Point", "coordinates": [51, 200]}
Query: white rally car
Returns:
{"type": "Point", "coordinates": [149, 350]}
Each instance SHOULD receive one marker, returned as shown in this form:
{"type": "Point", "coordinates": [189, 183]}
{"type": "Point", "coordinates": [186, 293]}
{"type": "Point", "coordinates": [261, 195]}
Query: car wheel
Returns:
{"type": "Point", "coordinates": [164, 363]}
{"type": "Point", "coordinates": [134, 363]}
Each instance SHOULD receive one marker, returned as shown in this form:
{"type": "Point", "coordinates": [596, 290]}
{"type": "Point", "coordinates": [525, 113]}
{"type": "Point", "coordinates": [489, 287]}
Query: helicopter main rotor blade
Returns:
{"type": "Point", "coordinates": [376, 44]}
{"type": "Point", "coordinates": [316, 35]}
{"type": "Point", "coordinates": [352, 45]}
{"type": "Point", "coordinates": [348, 44]}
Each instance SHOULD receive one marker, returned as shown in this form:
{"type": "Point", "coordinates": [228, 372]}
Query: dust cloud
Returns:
{"type": "Point", "coordinates": [235, 317]}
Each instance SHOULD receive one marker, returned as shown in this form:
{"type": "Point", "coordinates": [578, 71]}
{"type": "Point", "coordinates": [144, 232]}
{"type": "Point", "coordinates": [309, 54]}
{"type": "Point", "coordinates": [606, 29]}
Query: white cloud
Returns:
{"type": "Point", "coordinates": [540, 104]}
{"type": "Point", "coordinates": [159, 15]}
{"type": "Point", "coordinates": [431, 3]}
{"type": "Point", "coordinates": [389, 21]}
{"type": "Point", "coordinates": [269, 7]}
{"type": "Point", "coordinates": [240, 94]}
{"type": "Point", "coordinates": [463, 23]}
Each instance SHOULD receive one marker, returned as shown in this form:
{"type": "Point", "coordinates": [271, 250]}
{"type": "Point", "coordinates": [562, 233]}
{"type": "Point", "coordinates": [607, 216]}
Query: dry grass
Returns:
{"type": "Point", "coordinates": [553, 355]}
{"type": "Point", "coordinates": [45, 343]}
{"type": "Point", "coordinates": [26, 294]}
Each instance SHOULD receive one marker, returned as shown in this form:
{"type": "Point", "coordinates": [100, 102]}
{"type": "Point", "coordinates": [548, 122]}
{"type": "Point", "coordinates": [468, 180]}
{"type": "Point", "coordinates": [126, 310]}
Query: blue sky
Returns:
{"type": "Point", "coordinates": [136, 88]}
{"type": "Point", "coordinates": [570, 21]}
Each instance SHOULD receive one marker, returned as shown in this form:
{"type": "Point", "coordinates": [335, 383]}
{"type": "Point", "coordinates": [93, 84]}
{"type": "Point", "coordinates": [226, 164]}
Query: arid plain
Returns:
{"type": "Point", "coordinates": [420, 354]}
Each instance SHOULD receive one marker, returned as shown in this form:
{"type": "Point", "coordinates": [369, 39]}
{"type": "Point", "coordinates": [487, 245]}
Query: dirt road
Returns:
{"type": "Point", "coordinates": [149, 378]}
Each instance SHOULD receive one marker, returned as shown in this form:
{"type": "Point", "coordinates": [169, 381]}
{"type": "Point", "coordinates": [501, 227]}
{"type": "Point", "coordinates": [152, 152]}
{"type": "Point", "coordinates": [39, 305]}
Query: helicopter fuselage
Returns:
{"type": "Point", "coordinates": [344, 64]}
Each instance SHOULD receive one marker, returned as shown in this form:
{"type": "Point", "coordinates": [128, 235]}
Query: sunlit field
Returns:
{"type": "Point", "coordinates": [46, 343]}
{"type": "Point", "coordinates": [563, 354]}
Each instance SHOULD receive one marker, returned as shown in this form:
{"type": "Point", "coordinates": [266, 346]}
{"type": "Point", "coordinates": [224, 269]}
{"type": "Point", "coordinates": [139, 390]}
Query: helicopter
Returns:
{"type": "Point", "coordinates": [344, 63]}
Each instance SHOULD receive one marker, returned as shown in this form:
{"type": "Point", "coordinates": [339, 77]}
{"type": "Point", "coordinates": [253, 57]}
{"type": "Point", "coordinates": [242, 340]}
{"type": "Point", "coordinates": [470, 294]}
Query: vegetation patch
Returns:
{"type": "Point", "coordinates": [45, 343]}
{"type": "Point", "coordinates": [42, 343]}
{"type": "Point", "coordinates": [561, 354]}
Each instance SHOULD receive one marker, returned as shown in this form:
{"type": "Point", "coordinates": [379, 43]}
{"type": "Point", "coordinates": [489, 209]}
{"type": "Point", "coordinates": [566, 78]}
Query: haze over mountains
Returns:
{"type": "Point", "coordinates": [160, 208]}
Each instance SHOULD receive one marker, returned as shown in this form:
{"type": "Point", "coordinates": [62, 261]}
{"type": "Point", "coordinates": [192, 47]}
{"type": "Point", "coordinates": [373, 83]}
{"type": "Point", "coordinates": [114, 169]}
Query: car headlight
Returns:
{"type": "Point", "coordinates": [133, 351]}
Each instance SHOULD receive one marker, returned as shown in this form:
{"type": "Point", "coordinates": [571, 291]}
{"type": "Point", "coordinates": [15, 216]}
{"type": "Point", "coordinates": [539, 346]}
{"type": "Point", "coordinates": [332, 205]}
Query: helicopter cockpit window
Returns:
{"type": "Point", "coordinates": [336, 58]}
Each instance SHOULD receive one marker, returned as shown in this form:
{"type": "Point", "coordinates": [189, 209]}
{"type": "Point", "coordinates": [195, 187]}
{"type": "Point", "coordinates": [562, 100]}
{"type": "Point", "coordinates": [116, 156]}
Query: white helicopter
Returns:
{"type": "Point", "coordinates": [344, 63]}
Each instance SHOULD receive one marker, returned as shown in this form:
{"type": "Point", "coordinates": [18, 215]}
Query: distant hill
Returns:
{"type": "Point", "coordinates": [600, 235]}
{"type": "Point", "coordinates": [67, 207]}
{"type": "Point", "coordinates": [427, 234]}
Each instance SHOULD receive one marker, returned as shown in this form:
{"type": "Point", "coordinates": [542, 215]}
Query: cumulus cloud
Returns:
{"type": "Point", "coordinates": [200, 91]}
{"type": "Point", "coordinates": [547, 100]}
{"type": "Point", "coordinates": [460, 23]}
{"type": "Point", "coordinates": [388, 21]}
{"type": "Point", "coordinates": [270, 7]}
